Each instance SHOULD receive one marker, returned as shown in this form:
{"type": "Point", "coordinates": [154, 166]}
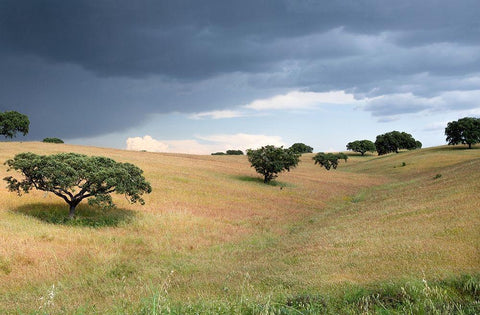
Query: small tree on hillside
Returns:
{"type": "Point", "coordinates": [74, 177]}
{"type": "Point", "coordinates": [301, 148]}
{"type": "Point", "coordinates": [394, 141]}
{"type": "Point", "coordinates": [53, 140]}
{"type": "Point", "coordinates": [329, 160]}
{"type": "Point", "coordinates": [270, 160]}
{"type": "Point", "coordinates": [234, 152]}
{"type": "Point", "coordinates": [12, 122]}
{"type": "Point", "coordinates": [361, 146]}
{"type": "Point", "coordinates": [465, 131]}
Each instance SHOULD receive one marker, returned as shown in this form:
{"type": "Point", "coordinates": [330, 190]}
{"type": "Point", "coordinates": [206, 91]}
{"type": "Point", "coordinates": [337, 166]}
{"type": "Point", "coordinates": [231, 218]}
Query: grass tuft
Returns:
{"type": "Point", "coordinates": [5, 266]}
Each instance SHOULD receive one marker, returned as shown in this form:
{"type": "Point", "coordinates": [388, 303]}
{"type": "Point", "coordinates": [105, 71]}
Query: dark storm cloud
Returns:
{"type": "Point", "coordinates": [86, 67]}
{"type": "Point", "coordinates": [191, 39]}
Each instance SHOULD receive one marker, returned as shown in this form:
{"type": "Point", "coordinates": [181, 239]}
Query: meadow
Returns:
{"type": "Point", "coordinates": [381, 233]}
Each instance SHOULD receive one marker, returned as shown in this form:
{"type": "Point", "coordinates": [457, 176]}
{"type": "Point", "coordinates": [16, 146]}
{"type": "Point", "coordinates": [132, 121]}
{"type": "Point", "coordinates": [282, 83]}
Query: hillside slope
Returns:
{"type": "Point", "coordinates": [211, 229]}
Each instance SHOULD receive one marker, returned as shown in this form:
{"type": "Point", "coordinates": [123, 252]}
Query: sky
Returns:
{"type": "Point", "coordinates": [207, 76]}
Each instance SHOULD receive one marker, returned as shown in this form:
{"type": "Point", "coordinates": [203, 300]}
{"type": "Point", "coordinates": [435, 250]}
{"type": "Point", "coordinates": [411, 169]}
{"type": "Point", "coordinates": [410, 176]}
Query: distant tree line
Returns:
{"type": "Point", "coordinates": [229, 152]}
{"type": "Point", "coordinates": [268, 160]}
{"type": "Point", "coordinates": [385, 143]}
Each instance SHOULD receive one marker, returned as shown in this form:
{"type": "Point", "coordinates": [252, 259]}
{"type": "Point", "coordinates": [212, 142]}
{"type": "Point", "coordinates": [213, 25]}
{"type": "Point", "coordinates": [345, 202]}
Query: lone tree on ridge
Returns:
{"type": "Point", "coordinates": [270, 160]}
{"type": "Point", "coordinates": [52, 140]}
{"type": "Point", "coordinates": [465, 131]}
{"type": "Point", "coordinates": [301, 148]}
{"type": "Point", "coordinates": [74, 177]}
{"type": "Point", "coordinates": [361, 146]}
{"type": "Point", "coordinates": [12, 122]}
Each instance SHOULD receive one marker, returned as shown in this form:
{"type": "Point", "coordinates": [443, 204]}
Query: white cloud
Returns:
{"type": "Point", "coordinates": [242, 141]}
{"type": "Point", "coordinates": [302, 100]}
{"type": "Point", "coordinates": [146, 143]}
{"type": "Point", "coordinates": [209, 144]}
{"type": "Point", "coordinates": [218, 114]}
{"type": "Point", "coordinates": [291, 101]}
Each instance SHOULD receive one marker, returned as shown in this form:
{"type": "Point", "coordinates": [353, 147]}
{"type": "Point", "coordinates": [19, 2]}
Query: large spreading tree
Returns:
{"type": "Point", "coordinates": [394, 141]}
{"type": "Point", "coordinates": [465, 130]}
{"type": "Point", "coordinates": [12, 122]}
{"type": "Point", "coordinates": [74, 177]}
{"type": "Point", "coordinates": [270, 160]}
{"type": "Point", "coordinates": [361, 146]}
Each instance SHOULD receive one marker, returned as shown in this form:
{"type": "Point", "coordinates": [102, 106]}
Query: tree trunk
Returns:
{"type": "Point", "coordinates": [71, 214]}
{"type": "Point", "coordinates": [73, 204]}
{"type": "Point", "coordinates": [469, 145]}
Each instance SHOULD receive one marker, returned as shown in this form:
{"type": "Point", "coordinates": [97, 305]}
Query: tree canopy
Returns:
{"type": "Point", "coordinates": [301, 148]}
{"type": "Point", "coordinates": [329, 160]}
{"type": "Point", "coordinates": [74, 177]}
{"type": "Point", "coordinates": [361, 146]}
{"type": "Point", "coordinates": [12, 122]}
{"type": "Point", "coordinates": [270, 160]}
{"type": "Point", "coordinates": [394, 141]}
{"type": "Point", "coordinates": [465, 131]}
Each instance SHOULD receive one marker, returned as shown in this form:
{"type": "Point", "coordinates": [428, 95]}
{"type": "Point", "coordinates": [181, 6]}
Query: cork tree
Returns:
{"type": "Point", "coordinates": [464, 131]}
{"type": "Point", "coordinates": [12, 122]}
{"type": "Point", "coordinates": [74, 177]}
{"type": "Point", "coordinates": [270, 160]}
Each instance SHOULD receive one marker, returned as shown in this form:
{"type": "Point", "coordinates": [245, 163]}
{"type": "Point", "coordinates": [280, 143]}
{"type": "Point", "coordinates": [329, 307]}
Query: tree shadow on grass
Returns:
{"type": "Point", "coordinates": [259, 180]}
{"type": "Point", "coordinates": [86, 216]}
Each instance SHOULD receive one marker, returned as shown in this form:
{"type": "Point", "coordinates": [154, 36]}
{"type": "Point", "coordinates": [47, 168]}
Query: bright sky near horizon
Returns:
{"type": "Point", "coordinates": [207, 76]}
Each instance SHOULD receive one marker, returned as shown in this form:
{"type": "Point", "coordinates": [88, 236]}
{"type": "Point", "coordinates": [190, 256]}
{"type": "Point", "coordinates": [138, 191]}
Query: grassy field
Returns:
{"type": "Point", "coordinates": [212, 238]}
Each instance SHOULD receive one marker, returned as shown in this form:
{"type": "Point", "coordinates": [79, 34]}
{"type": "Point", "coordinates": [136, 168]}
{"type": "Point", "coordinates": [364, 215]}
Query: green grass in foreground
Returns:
{"type": "Point", "coordinates": [456, 295]}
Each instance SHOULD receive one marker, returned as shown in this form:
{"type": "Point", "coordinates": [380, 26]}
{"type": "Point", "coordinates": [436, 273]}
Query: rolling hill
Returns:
{"type": "Point", "coordinates": [212, 234]}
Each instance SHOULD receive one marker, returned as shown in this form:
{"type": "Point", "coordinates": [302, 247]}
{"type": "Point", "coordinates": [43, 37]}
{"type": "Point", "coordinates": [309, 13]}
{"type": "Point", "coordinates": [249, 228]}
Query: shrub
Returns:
{"type": "Point", "coordinates": [53, 140]}
{"type": "Point", "coordinates": [234, 152]}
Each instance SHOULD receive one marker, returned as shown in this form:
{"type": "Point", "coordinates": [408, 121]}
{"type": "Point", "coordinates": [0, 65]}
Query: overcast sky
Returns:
{"type": "Point", "coordinates": [206, 76]}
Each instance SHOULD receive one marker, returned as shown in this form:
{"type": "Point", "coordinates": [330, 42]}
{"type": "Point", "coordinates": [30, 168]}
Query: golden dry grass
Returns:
{"type": "Point", "coordinates": [209, 227]}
